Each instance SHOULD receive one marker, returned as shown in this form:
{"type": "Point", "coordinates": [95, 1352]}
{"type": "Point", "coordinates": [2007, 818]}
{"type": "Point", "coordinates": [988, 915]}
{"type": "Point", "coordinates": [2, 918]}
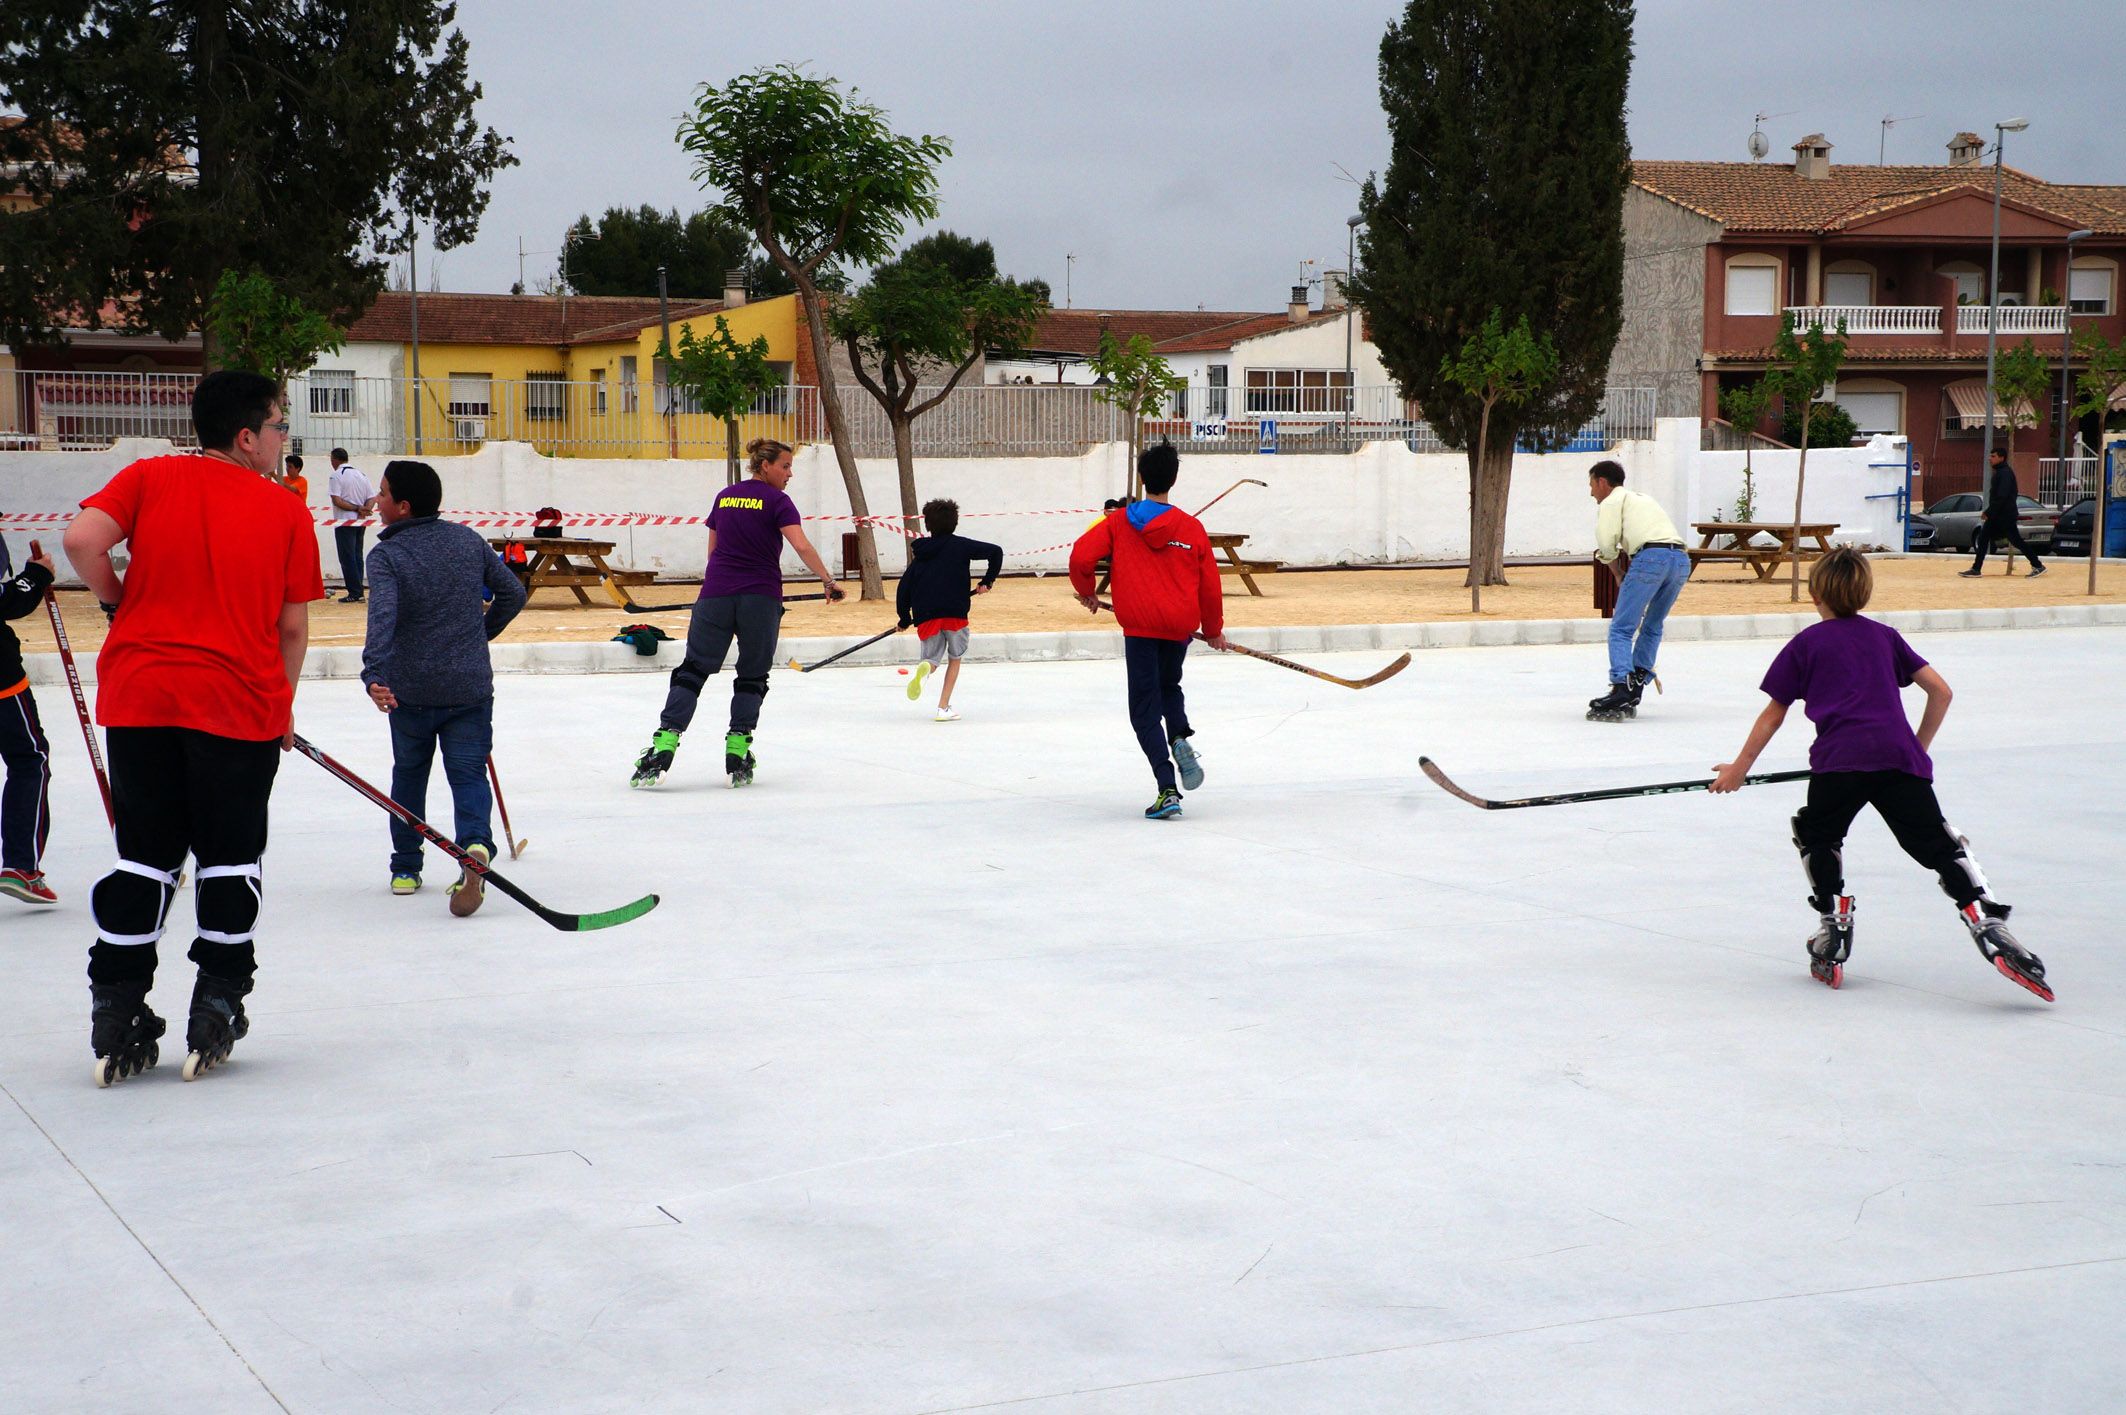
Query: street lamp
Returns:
{"type": "Point", "coordinates": [1993, 297]}
{"type": "Point", "coordinates": [1351, 225]}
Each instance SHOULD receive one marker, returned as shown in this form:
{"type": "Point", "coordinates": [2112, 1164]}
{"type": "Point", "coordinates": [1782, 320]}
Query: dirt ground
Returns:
{"type": "Point", "coordinates": [1313, 597]}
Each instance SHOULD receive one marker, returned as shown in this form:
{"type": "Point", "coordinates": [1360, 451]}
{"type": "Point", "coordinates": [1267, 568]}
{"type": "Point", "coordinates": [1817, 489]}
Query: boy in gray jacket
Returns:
{"type": "Point", "coordinates": [425, 663]}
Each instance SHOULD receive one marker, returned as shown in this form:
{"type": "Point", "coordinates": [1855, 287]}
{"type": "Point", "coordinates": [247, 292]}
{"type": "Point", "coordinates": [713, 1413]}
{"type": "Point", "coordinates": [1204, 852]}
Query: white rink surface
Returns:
{"type": "Point", "coordinates": [942, 1081]}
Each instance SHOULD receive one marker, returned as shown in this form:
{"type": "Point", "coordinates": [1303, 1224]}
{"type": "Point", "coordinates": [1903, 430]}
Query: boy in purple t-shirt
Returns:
{"type": "Point", "coordinates": [1849, 670]}
{"type": "Point", "coordinates": [741, 599]}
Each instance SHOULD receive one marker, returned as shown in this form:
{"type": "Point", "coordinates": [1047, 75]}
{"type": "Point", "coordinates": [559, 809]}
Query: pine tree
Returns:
{"type": "Point", "coordinates": [1504, 192]}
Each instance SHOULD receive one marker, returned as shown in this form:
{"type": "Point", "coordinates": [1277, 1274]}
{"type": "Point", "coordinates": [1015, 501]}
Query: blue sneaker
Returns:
{"type": "Point", "coordinates": [1166, 807]}
{"type": "Point", "coordinates": [1186, 762]}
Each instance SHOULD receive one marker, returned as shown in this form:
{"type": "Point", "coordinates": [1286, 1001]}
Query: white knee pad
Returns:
{"type": "Point", "coordinates": [227, 902]}
{"type": "Point", "coordinates": [131, 903]}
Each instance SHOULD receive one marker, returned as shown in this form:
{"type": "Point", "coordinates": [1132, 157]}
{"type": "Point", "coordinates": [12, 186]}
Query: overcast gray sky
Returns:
{"type": "Point", "coordinates": [1188, 153]}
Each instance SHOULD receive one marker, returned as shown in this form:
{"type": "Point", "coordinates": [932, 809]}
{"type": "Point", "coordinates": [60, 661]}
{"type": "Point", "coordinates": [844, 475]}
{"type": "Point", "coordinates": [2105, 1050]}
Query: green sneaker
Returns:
{"type": "Point", "coordinates": [915, 684]}
{"type": "Point", "coordinates": [405, 884]}
{"type": "Point", "coordinates": [1166, 807]}
{"type": "Point", "coordinates": [738, 757]}
{"type": "Point", "coordinates": [656, 759]}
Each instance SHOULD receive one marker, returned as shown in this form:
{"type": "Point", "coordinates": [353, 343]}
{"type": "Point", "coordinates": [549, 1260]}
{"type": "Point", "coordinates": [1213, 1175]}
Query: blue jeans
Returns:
{"type": "Point", "coordinates": [466, 735]}
{"type": "Point", "coordinates": [1649, 591]}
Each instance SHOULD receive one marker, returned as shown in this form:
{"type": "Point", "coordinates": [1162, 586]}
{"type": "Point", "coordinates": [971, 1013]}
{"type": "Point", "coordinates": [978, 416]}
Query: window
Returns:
{"type": "Point", "coordinates": [598, 391]}
{"type": "Point", "coordinates": [545, 396]}
{"type": "Point", "coordinates": [628, 383]}
{"type": "Point", "coordinates": [1217, 396]}
{"type": "Point", "coordinates": [2089, 288]}
{"type": "Point", "coordinates": [1970, 281]}
{"type": "Point", "coordinates": [332, 392]}
{"type": "Point", "coordinates": [1849, 287]}
{"type": "Point", "coordinates": [1290, 390]}
{"type": "Point", "coordinates": [1753, 285]}
{"type": "Point", "coordinates": [471, 395]}
{"type": "Point", "coordinates": [1874, 404]}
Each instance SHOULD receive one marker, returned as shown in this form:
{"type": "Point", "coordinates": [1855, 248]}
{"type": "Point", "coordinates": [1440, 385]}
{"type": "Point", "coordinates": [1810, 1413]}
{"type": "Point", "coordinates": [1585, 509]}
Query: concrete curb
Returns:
{"type": "Point", "coordinates": [1079, 644]}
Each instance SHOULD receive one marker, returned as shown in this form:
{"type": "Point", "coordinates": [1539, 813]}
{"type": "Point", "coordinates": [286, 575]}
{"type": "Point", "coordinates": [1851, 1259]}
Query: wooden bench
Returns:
{"type": "Point", "coordinates": [1229, 543]}
{"type": "Point", "coordinates": [550, 567]}
{"type": "Point", "coordinates": [1732, 541]}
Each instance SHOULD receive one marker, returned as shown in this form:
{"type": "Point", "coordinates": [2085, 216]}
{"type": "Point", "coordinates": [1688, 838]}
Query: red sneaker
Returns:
{"type": "Point", "coordinates": [26, 886]}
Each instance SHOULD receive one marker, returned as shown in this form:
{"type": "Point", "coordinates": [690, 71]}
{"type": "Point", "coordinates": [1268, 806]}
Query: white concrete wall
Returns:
{"type": "Point", "coordinates": [1381, 504]}
{"type": "Point", "coordinates": [1840, 482]}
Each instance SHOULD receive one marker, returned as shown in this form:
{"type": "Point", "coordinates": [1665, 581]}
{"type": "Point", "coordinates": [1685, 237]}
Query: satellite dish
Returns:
{"type": "Point", "coordinates": [1760, 146]}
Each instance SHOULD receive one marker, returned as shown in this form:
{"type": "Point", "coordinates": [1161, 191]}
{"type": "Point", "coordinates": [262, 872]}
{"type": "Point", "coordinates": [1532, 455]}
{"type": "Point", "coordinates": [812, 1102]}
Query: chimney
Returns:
{"type": "Point", "coordinates": [1332, 290]}
{"type": "Point", "coordinates": [1812, 157]}
{"type": "Point", "coordinates": [734, 289]}
{"type": "Point", "coordinates": [1966, 150]}
{"type": "Point", "coordinates": [1296, 310]}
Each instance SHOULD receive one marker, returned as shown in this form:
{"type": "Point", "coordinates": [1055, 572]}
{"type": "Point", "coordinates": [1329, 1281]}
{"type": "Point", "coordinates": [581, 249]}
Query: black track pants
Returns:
{"type": "Point", "coordinates": [1906, 804]}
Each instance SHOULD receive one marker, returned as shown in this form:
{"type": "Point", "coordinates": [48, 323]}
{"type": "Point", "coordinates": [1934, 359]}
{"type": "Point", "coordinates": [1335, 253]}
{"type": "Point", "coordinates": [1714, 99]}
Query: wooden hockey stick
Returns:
{"type": "Point", "coordinates": [516, 846]}
{"type": "Point", "coordinates": [1327, 677]}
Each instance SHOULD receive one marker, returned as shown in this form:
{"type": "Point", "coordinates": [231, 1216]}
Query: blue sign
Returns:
{"type": "Point", "coordinates": [1269, 436]}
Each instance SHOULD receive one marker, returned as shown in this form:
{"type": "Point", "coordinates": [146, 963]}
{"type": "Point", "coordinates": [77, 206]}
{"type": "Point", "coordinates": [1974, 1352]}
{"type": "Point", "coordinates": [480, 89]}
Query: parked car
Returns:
{"type": "Point", "coordinates": [1920, 532]}
{"type": "Point", "coordinates": [1956, 520]}
{"type": "Point", "coordinates": [2077, 524]}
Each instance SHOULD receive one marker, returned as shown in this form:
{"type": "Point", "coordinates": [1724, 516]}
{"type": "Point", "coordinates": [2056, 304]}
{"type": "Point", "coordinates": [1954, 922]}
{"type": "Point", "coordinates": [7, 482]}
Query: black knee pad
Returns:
{"type": "Point", "coordinates": [1830, 858]}
{"type": "Point", "coordinates": [130, 904]}
{"type": "Point", "coordinates": [751, 687]}
{"type": "Point", "coordinates": [690, 675]}
{"type": "Point", "coordinates": [226, 900]}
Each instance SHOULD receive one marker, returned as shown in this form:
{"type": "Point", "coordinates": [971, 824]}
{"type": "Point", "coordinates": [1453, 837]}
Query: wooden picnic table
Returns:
{"type": "Point", "coordinates": [551, 568]}
{"type": "Point", "coordinates": [1735, 540]}
{"type": "Point", "coordinates": [1230, 543]}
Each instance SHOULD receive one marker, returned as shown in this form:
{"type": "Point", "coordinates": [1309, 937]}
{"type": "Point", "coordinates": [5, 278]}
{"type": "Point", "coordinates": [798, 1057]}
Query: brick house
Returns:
{"type": "Point", "coordinates": [1717, 252]}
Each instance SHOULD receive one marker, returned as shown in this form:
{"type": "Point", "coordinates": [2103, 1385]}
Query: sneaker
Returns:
{"type": "Point", "coordinates": [2035, 571]}
{"type": "Point", "coordinates": [915, 683]}
{"type": "Point", "coordinates": [470, 889]}
{"type": "Point", "coordinates": [1968, 574]}
{"type": "Point", "coordinates": [405, 884]}
{"type": "Point", "coordinates": [27, 886]}
{"type": "Point", "coordinates": [350, 599]}
{"type": "Point", "coordinates": [946, 714]}
{"type": "Point", "coordinates": [1166, 807]}
{"type": "Point", "coordinates": [1188, 764]}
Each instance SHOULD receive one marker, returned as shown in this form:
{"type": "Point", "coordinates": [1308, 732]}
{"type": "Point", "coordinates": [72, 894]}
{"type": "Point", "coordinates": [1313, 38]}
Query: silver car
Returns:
{"type": "Point", "coordinates": [1956, 520]}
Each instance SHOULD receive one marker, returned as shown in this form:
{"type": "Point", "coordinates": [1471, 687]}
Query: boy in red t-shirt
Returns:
{"type": "Point", "coordinates": [196, 692]}
{"type": "Point", "coordinates": [1166, 586]}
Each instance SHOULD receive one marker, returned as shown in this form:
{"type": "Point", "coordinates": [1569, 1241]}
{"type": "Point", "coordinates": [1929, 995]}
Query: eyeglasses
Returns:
{"type": "Point", "coordinates": [283, 427]}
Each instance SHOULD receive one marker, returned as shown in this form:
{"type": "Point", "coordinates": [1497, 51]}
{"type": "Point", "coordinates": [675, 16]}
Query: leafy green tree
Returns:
{"type": "Point", "coordinates": [929, 314]}
{"type": "Point", "coordinates": [163, 144]}
{"type": "Point", "coordinates": [1134, 379]}
{"type": "Point", "coordinates": [2021, 385]}
{"type": "Point", "coordinates": [818, 176]}
{"type": "Point", "coordinates": [1744, 408]}
{"type": "Point", "coordinates": [1804, 362]}
{"type": "Point", "coordinates": [620, 254]}
{"type": "Point", "coordinates": [722, 378]}
{"type": "Point", "coordinates": [1500, 368]}
{"type": "Point", "coordinates": [1828, 426]}
{"type": "Point", "coordinates": [1504, 192]}
{"type": "Point", "coordinates": [260, 328]}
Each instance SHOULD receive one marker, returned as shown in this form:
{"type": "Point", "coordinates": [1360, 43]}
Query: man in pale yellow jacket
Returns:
{"type": "Point", "coordinates": [1635, 538]}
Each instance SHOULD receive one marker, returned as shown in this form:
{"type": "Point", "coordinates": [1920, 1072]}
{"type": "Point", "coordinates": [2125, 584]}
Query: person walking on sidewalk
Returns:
{"type": "Point", "coordinates": [1639, 544]}
{"type": "Point", "coordinates": [352, 498]}
{"type": "Point", "coordinates": [26, 800]}
{"type": "Point", "coordinates": [933, 596]}
{"type": "Point", "coordinates": [425, 663]}
{"type": "Point", "coordinates": [1166, 587]}
{"type": "Point", "coordinates": [741, 598]}
{"type": "Point", "coordinates": [196, 691]}
{"type": "Point", "coordinates": [2002, 509]}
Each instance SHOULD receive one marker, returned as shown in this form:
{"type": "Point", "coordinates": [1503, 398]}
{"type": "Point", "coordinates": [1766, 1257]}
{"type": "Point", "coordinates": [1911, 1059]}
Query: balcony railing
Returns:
{"type": "Point", "coordinates": [2013, 319]}
{"type": "Point", "coordinates": [1870, 319]}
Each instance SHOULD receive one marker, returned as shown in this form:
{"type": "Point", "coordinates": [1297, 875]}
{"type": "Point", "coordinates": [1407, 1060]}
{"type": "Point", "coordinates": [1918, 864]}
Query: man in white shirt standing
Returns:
{"type": "Point", "coordinates": [1639, 544]}
{"type": "Point", "coordinates": [352, 495]}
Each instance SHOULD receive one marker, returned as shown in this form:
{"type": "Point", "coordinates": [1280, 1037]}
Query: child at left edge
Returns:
{"type": "Point", "coordinates": [1849, 669]}
{"type": "Point", "coordinates": [25, 802]}
{"type": "Point", "coordinates": [933, 596]}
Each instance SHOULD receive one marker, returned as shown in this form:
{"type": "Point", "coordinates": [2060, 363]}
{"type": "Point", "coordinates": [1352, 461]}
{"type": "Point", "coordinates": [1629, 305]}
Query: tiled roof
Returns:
{"type": "Point", "coordinates": [1078, 331]}
{"type": "Point", "coordinates": [509, 319]}
{"type": "Point", "coordinates": [1225, 336]}
{"type": "Point", "coordinates": [1770, 196]}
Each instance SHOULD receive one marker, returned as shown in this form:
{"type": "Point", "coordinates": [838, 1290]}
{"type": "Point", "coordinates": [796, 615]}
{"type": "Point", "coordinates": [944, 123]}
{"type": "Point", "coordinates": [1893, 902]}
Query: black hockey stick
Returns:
{"type": "Point", "coordinates": [1327, 677]}
{"type": "Point", "coordinates": [808, 667]}
{"type": "Point", "coordinates": [621, 597]}
{"type": "Point", "coordinates": [568, 923]}
{"type": "Point", "coordinates": [1609, 793]}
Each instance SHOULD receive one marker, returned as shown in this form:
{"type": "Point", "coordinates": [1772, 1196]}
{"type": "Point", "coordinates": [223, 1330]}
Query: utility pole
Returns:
{"type": "Point", "coordinates": [1068, 262]}
{"type": "Point", "coordinates": [413, 305]}
{"type": "Point", "coordinates": [1993, 306]}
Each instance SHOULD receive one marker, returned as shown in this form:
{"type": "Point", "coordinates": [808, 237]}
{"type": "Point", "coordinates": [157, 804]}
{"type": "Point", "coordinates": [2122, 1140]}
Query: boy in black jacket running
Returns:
{"type": "Point", "coordinates": [25, 802]}
{"type": "Point", "coordinates": [933, 596]}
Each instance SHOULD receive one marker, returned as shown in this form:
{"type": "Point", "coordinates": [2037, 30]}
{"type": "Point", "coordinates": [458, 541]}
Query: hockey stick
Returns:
{"type": "Point", "coordinates": [1327, 677]}
{"type": "Point", "coordinates": [620, 597]}
{"type": "Point", "coordinates": [516, 847]}
{"type": "Point", "coordinates": [1610, 793]}
{"type": "Point", "coordinates": [1244, 481]}
{"type": "Point", "coordinates": [807, 668]}
{"type": "Point", "coordinates": [567, 923]}
{"type": "Point", "coordinates": [81, 702]}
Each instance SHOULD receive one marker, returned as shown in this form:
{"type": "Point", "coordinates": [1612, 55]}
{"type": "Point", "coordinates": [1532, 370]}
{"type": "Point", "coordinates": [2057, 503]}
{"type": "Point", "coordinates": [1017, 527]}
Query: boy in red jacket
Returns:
{"type": "Point", "coordinates": [1166, 587]}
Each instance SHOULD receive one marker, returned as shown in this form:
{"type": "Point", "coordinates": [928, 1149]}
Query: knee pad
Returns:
{"type": "Point", "coordinates": [751, 687]}
{"type": "Point", "coordinates": [226, 903]}
{"type": "Point", "coordinates": [130, 904]}
{"type": "Point", "coordinates": [690, 675]}
{"type": "Point", "coordinates": [1960, 877]}
{"type": "Point", "coordinates": [1818, 861]}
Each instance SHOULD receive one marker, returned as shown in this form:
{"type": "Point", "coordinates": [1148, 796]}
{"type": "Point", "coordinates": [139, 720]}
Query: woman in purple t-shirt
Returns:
{"type": "Point", "coordinates": [1850, 670]}
{"type": "Point", "coordinates": [741, 599]}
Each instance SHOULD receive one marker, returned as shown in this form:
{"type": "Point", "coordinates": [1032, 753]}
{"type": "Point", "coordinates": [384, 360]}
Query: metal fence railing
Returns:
{"type": "Point", "coordinates": [450, 415]}
{"type": "Point", "coordinates": [2064, 483]}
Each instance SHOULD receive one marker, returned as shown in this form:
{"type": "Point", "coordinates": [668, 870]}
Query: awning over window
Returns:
{"type": "Point", "coordinates": [1969, 400]}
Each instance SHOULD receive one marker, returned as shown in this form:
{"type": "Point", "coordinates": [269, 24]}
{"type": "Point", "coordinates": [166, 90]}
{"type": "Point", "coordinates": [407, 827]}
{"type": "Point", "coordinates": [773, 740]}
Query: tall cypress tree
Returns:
{"type": "Point", "coordinates": [1504, 196]}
